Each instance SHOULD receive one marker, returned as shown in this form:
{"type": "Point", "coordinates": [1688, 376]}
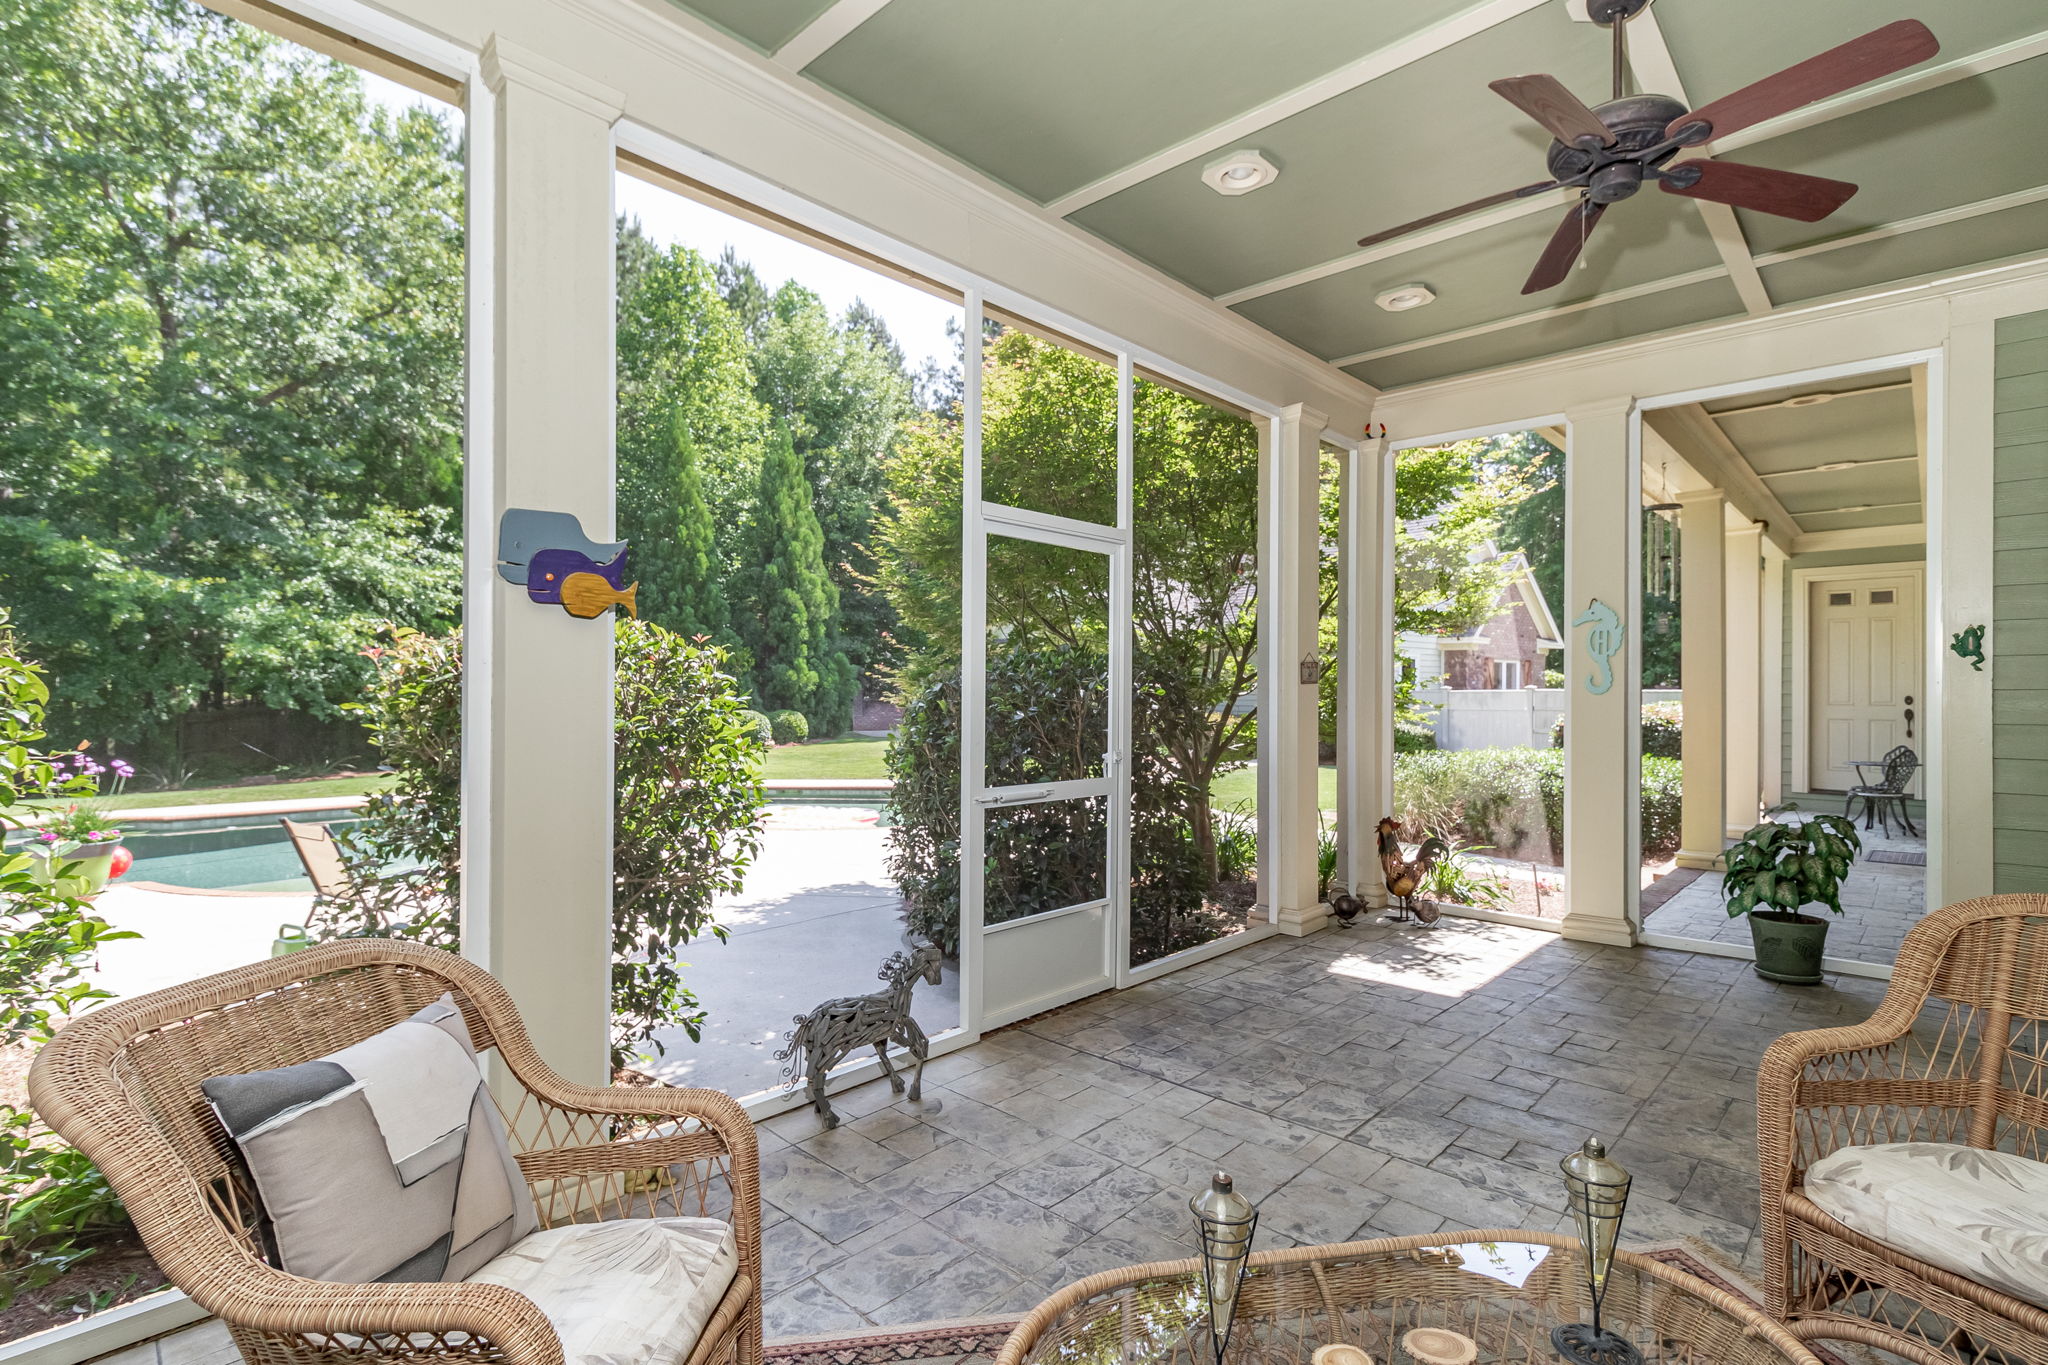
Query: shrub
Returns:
{"type": "Point", "coordinates": [1413, 737]}
{"type": "Point", "coordinates": [788, 727]}
{"type": "Point", "coordinates": [1040, 857]}
{"type": "Point", "coordinates": [1663, 729]}
{"type": "Point", "coordinates": [763, 728]}
{"type": "Point", "coordinates": [1513, 799]}
{"type": "Point", "coordinates": [1553, 678]}
{"type": "Point", "coordinates": [54, 1203]}
{"type": "Point", "coordinates": [686, 813]}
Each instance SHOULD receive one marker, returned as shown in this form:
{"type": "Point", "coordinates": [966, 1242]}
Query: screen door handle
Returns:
{"type": "Point", "coordinates": [1012, 798]}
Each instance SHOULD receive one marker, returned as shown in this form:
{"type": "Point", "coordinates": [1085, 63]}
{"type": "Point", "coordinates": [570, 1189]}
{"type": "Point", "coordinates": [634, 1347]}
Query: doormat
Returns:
{"type": "Point", "coordinates": [1665, 887]}
{"type": "Point", "coordinates": [975, 1341]}
{"type": "Point", "coordinates": [1903, 857]}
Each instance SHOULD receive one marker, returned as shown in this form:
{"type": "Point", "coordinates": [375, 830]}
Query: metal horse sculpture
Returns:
{"type": "Point", "coordinates": [823, 1038]}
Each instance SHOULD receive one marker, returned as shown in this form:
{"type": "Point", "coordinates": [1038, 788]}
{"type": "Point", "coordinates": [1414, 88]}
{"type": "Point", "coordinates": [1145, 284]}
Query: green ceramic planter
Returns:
{"type": "Point", "coordinates": [1789, 947]}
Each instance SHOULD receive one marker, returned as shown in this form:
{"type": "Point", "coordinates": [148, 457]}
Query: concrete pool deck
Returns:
{"type": "Point", "coordinates": [816, 919]}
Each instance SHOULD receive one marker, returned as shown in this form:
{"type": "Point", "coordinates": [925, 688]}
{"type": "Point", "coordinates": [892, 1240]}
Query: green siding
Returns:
{"type": "Point", "coordinates": [2019, 626]}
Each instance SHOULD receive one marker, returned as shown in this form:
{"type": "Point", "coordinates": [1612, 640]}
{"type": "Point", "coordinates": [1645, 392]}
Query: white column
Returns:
{"type": "Point", "coordinates": [1365, 690]}
{"type": "Point", "coordinates": [1602, 535]}
{"type": "Point", "coordinates": [1702, 591]}
{"type": "Point", "coordinates": [1743, 669]}
{"type": "Point", "coordinates": [1288, 818]}
{"type": "Point", "coordinates": [537, 698]}
{"type": "Point", "coordinates": [1772, 673]}
{"type": "Point", "coordinates": [1960, 492]}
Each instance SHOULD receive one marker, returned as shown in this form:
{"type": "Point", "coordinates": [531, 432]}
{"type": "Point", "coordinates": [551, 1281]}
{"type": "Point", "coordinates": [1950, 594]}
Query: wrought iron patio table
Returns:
{"type": "Point", "coordinates": [1505, 1289]}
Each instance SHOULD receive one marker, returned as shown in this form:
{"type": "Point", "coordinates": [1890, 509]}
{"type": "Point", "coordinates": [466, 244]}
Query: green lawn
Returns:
{"type": "Point", "coordinates": [267, 791]}
{"type": "Point", "coordinates": [828, 759]}
{"type": "Point", "coordinates": [1243, 785]}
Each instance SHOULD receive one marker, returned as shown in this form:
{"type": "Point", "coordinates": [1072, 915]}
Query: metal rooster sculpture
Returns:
{"type": "Point", "coordinates": [1404, 876]}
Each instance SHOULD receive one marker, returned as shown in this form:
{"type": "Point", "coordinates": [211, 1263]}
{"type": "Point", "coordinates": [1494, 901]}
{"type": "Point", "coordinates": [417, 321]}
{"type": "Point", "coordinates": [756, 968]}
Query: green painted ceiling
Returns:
{"type": "Point", "coordinates": [1868, 424]}
{"type": "Point", "coordinates": [1051, 96]}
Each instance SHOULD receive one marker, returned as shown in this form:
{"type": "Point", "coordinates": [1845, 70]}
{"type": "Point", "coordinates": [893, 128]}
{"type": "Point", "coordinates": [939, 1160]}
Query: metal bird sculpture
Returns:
{"type": "Point", "coordinates": [1405, 875]}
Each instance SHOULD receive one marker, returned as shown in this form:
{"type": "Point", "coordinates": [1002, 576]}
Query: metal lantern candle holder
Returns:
{"type": "Point", "coordinates": [1597, 1187]}
{"type": "Point", "coordinates": [1224, 1222]}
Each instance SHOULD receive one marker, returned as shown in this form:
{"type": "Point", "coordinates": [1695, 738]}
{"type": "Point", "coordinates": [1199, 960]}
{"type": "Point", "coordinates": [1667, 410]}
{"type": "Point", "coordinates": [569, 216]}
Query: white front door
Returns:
{"type": "Point", "coordinates": [1866, 694]}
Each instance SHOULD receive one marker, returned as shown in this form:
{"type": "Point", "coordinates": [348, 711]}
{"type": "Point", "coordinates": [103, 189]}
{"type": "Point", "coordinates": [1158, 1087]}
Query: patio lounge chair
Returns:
{"type": "Point", "coordinates": [383, 906]}
{"type": "Point", "coordinates": [123, 1084]}
{"type": "Point", "coordinates": [1888, 793]}
{"type": "Point", "coordinates": [1904, 1160]}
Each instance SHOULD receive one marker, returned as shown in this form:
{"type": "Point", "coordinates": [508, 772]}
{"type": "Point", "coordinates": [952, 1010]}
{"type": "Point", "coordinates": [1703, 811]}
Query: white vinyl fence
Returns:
{"type": "Point", "coordinates": [1519, 719]}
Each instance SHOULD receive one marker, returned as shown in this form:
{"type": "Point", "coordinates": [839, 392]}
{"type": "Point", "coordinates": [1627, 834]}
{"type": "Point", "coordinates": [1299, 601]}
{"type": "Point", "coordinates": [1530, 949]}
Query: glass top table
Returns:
{"type": "Point", "coordinates": [1504, 1289]}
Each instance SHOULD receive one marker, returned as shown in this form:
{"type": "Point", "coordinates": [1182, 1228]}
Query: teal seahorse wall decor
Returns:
{"type": "Point", "coordinates": [1603, 642]}
{"type": "Point", "coordinates": [1969, 644]}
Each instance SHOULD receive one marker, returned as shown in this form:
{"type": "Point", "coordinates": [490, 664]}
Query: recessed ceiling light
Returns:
{"type": "Point", "coordinates": [1859, 507]}
{"type": "Point", "coordinates": [1403, 297]}
{"type": "Point", "coordinates": [1809, 400]}
{"type": "Point", "coordinates": [1240, 173]}
{"type": "Point", "coordinates": [1838, 464]}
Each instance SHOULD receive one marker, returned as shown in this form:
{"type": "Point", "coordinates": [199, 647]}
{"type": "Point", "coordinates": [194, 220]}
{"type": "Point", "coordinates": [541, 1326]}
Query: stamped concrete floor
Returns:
{"type": "Point", "coordinates": [1362, 1082]}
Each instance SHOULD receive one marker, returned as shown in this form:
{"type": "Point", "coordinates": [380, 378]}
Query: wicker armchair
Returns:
{"type": "Point", "coordinates": [1957, 1053]}
{"type": "Point", "coordinates": [122, 1084]}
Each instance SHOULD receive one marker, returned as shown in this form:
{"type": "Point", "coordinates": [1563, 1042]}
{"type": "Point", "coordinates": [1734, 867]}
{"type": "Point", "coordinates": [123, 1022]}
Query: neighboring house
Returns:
{"type": "Point", "coordinates": [1509, 651]}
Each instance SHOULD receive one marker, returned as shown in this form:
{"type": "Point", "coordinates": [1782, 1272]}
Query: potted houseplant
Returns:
{"type": "Point", "coordinates": [1773, 871]}
{"type": "Point", "coordinates": [79, 843]}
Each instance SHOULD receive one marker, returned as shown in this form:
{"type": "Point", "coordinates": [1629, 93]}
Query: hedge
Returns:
{"type": "Point", "coordinates": [762, 727]}
{"type": "Point", "coordinates": [1512, 800]}
{"type": "Point", "coordinates": [788, 727]}
{"type": "Point", "coordinates": [1663, 729]}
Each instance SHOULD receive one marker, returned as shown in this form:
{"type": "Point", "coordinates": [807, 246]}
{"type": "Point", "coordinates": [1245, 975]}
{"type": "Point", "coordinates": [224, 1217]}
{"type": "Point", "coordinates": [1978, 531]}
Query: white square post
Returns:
{"type": "Point", "coordinates": [1289, 556]}
{"type": "Point", "coordinates": [1743, 668]}
{"type": "Point", "coordinates": [1603, 515]}
{"type": "Point", "coordinates": [537, 697]}
{"type": "Point", "coordinates": [1703, 627]}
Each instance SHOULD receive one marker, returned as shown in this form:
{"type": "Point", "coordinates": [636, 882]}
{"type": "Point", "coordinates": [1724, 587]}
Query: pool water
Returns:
{"type": "Point", "coordinates": [231, 853]}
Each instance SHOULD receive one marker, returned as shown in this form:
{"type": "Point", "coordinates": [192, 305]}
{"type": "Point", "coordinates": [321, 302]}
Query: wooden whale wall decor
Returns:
{"type": "Point", "coordinates": [550, 556]}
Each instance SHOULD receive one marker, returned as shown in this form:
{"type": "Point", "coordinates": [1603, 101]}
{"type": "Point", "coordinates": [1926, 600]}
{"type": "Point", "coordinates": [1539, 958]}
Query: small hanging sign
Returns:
{"type": "Point", "coordinates": [1603, 642]}
{"type": "Point", "coordinates": [549, 555]}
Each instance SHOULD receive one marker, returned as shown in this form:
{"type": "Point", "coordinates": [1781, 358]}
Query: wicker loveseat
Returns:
{"type": "Point", "coordinates": [122, 1084]}
{"type": "Point", "coordinates": [1949, 1077]}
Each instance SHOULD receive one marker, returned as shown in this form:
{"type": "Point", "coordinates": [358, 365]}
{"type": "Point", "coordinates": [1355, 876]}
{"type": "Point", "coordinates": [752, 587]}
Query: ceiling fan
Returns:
{"type": "Point", "coordinates": [1611, 149]}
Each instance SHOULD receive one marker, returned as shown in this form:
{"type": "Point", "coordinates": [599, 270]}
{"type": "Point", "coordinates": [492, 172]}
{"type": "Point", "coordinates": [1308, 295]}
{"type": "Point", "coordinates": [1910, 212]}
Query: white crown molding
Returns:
{"type": "Point", "coordinates": [752, 90]}
{"type": "Point", "coordinates": [1988, 291]}
{"type": "Point", "coordinates": [504, 61]}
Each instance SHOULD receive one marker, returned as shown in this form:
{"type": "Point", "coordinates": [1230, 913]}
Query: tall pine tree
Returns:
{"type": "Point", "coordinates": [681, 585]}
{"type": "Point", "coordinates": [791, 621]}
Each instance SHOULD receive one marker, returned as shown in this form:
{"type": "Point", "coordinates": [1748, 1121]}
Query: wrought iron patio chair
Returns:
{"type": "Point", "coordinates": [121, 1083]}
{"type": "Point", "coordinates": [1957, 1053]}
{"type": "Point", "coordinates": [1882, 797]}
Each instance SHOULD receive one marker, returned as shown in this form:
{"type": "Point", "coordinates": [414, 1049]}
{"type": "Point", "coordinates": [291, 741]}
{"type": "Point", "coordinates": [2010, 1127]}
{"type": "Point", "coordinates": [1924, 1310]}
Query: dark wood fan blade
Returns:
{"type": "Point", "coordinates": [1877, 53]}
{"type": "Point", "coordinates": [1565, 244]}
{"type": "Point", "coordinates": [1563, 115]}
{"type": "Point", "coordinates": [1488, 202]}
{"type": "Point", "coordinates": [1808, 198]}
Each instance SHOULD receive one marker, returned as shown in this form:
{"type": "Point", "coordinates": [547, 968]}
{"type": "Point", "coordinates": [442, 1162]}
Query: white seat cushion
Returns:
{"type": "Point", "coordinates": [1982, 1215]}
{"type": "Point", "coordinates": [633, 1292]}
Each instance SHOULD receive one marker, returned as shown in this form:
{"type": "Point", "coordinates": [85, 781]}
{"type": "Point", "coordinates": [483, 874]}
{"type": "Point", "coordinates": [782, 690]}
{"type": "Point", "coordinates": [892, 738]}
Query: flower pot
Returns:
{"type": "Point", "coordinates": [93, 868]}
{"type": "Point", "coordinates": [1789, 946]}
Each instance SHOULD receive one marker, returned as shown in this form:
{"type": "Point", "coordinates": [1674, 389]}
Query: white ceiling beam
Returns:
{"type": "Point", "coordinates": [1350, 76]}
{"type": "Point", "coordinates": [1886, 92]}
{"type": "Point", "coordinates": [1649, 57]}
{"type": "Point", "coordinates": [1920, 427]}
{"type": "Point", "coordinates": [1860, 538]}
{"type": "Point", "coordinates": [1553, 202]}
{"type": "Point", "coordinates": [1816, 469]}
{"type": "Point", "coordinates": [1812, 115]}
{"type": "Point", "coordinates": [1834, 395]}
{"type": "Point", "coordinates": [1703, 445]}
{"type": "Point", "coordinates": [819, 36]}
{"type": "Point", "coordinates": [1960, 213]}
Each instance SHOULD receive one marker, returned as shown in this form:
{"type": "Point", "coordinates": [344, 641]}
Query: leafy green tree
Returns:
{"type": "Point", "coordinates": [681, 577]}
{"type": "Point", "coordinates": [682, 359]}
{"type": "Point", "coordinates": [230, 302]}
{"type": "Point", "coordinates": [789, 617]}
